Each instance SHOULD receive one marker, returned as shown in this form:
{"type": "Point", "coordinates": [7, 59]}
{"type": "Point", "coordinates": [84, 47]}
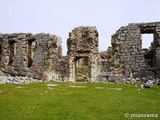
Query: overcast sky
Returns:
{"type": "Point", "coordinates": [61, 16]}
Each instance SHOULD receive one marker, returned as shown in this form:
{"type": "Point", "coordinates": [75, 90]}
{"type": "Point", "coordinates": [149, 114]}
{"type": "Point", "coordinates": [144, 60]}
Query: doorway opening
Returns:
{"type": "Point", "coordinates": [31, 50]}
{"type": "Point", "coordinates": [12, 51]}
{"type": "Point", "coordinates": [147, 40]}
{"type": "Point", "coordinates": [81, 69]}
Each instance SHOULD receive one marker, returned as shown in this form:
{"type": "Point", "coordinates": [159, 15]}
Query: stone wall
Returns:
{"type": "Point", "coordinates": [83, 43]}
{"type": "Point", "coordinates": [30, 55]}
{"type": "Point", "coordinates": [126, 57]}
{"type": "Point", "coordinates": [40, 56]}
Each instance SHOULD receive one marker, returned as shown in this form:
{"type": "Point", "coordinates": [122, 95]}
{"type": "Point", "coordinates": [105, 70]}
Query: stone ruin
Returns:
{"type": "Point", "coordinates": [127, 58]}
{"type": "Point", "coordinates": [30, 55]}
{"type": "Point", "coordinates": [83, 43]}
{"type": "Point", "coordinates": [40, 56]}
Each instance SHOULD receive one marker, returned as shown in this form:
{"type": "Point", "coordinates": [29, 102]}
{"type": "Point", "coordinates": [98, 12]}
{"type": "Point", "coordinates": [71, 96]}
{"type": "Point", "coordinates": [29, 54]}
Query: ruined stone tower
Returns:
{"type": "Point", "coordinates": [83, 43]}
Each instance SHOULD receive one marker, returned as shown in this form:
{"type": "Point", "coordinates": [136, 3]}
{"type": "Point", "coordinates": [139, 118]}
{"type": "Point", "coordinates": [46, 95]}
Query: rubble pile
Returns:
{"type": "Point", "coordinates": [17, 80]}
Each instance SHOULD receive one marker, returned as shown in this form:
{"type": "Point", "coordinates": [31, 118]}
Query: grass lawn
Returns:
{"type": "Point", "coordinates": [88, 101]}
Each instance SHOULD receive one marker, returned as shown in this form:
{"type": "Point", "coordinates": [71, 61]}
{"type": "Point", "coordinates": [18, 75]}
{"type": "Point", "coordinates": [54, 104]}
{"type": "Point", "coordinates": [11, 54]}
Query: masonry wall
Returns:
{"type": "Point", "coordinates": [30, 55]}
{"type": "Point", "coordinates": [40, 56]}
{"type": "Point", "coordinates": [83, 43]}
{"type": "Point", "coordinates": [126, 57]}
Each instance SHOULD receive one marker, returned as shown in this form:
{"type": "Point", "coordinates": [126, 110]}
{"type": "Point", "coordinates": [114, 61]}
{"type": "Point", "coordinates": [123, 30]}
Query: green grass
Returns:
{"type": "Point", "coordinates": [36, 101]}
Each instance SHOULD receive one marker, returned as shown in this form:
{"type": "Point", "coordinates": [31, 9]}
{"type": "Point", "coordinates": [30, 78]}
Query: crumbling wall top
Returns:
{"type": "Point", "coordinates": [25, 54]}
{"type": "Point", "coordinates": [83, 39]}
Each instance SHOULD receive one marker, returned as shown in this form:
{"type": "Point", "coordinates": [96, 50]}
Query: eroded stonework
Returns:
{"type": "Point", "coordinates": [40, 56]}
{"type": "Point", "coordinates": [83, 43]}
{"type": "Point", "coordinates": [30, 55]}
{"type": "Point", "coordinates": [126, 57]}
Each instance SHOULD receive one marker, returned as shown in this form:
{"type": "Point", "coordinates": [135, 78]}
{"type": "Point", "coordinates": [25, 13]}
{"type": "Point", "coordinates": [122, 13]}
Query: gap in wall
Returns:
{"type": "Point", "coordinates": [82, 69]}
{"type": "Point", "coordinates": [146, 40]}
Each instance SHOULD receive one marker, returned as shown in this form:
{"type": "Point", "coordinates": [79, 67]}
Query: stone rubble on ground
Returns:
{"type": "Point", "coordinates": [77, 86]}
{"type": "Point", "coordinates": [51, 85]}
{"type": "Point", "coordinates": [147, 82]}
{"type": "Point", "coordinates": [118, 89]}
{"type": "Point", "coordinates": [17, 80]}
{"type": "Point", "coordinates": [100, 87]}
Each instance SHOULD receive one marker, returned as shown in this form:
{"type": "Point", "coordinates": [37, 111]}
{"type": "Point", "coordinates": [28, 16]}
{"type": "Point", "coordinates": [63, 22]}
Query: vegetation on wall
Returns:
{"type": "Point", "coordinates": [82, 73]}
